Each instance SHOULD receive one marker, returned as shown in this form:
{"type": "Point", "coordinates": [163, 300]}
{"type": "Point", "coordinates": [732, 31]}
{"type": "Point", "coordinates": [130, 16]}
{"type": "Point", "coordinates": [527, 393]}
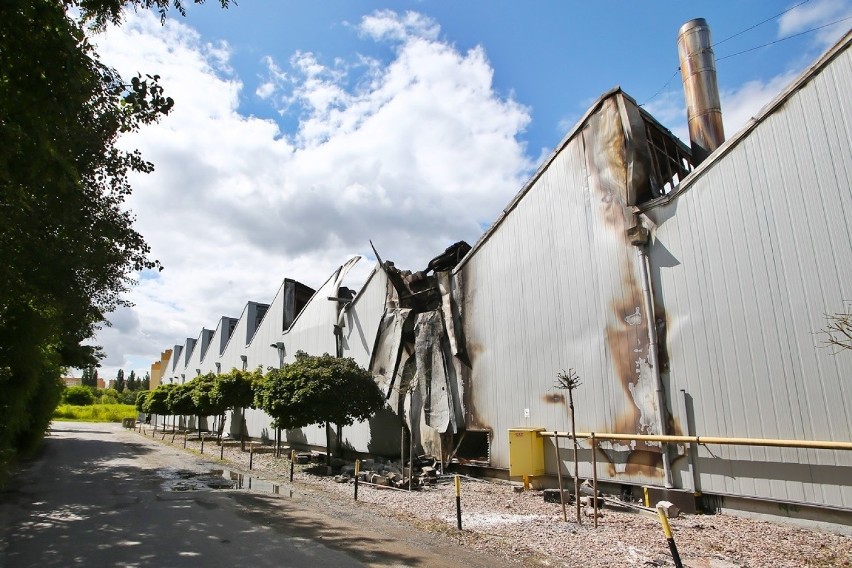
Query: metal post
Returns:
{"type": "Point", "coordinates": [251, 455]}
{"type": "Point", "coordinates": [458, 502]}
{"type": "Point", "coordinates": [595, 476]}
{"type": "Point", "coordinates": [357, 474]}
{"type": "Point", "coordinates": [559, 476]}
{"type": "Point", "coordinates": [185, 433]}
{"type": "Point", "coordinates": [664, 520]}
{"type": "Point", "coordinates": [221, 450]}
{"type": "Point", "coordinates": [202, 443]}
{"type": "Point", "coordinates": [292, 463]}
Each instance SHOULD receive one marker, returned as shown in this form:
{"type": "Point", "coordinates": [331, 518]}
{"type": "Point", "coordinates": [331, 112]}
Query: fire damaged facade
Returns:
{"type": "Point", "coordinates": [686, 286]}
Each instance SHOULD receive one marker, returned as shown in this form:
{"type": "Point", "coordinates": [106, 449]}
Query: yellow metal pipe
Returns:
{"type": "Point", "coordinates": [768, 442]}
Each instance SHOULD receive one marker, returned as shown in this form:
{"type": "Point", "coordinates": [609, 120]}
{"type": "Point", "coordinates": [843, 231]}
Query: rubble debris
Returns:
{"type": "Point", "coordinates": [552, 496]}
{"type": "Point", "coordinates": [669, 508]}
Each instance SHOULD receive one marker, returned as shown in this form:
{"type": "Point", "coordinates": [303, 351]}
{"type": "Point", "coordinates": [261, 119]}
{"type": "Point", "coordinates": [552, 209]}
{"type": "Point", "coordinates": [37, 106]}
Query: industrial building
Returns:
{"type": "Point", "coordinates": [687, 287]}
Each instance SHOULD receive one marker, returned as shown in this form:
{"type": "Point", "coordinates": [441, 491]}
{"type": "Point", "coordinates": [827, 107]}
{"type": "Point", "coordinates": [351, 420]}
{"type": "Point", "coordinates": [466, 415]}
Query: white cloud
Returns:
{"type": "Point", "coordinates": [815, 14]}
{"type": "Point", "coordinates": [388, 25]}
{"type": "Point", "coordinates": [414, 153]}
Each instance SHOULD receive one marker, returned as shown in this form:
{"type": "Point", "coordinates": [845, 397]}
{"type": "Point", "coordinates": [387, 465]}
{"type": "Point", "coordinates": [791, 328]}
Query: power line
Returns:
{"type": "Point", "coordinates": [663, 88]}
{"type": "Point", "coordinates": [785, 38]}
{"type": "Point", "coordinates": [760, 23]}
{"type": "Point", "coordinates": [752, 48]}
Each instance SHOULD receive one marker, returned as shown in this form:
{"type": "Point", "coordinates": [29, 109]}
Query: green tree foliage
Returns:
{"type": "Point", "coordinates": [145, 384]}
{"type": "Point", "coordinates": [132, 383]}
{"type": "Point", "coordinates": [119, 380]}
{"type": "Point", "coordinates": [79, 396]}
{"type": "Point", "coordinates": [142, 401]}
{"type": "Point", "coordinates": [208, 399]}
{"type": "Point", "coordinates": [319, 389]}
{"type": "Point", "coordinates": [88, 380]}
{"type": "Point", "coordinates": [236, 391]}
{"type": "Point", "coordinates": [67, 241]}
{"type": "Point", "coordinates": [180, 400]}
{"type": "Point", "coordinates": [157, 401]}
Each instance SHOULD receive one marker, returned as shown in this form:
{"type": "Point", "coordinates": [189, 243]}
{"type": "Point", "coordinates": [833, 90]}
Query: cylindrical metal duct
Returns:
{"type": "Point", "coordinates": [698, 71]}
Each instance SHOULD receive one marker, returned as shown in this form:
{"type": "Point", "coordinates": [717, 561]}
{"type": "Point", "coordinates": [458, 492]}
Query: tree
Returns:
{"type": "Point", "coordinates": [132, 383]}
{"type": "Point", "coordinates": [320, 389]}
{"type": "Point", "coordinates": [235, 391]}
{"type": "Point", "coordinates": [157, 402]}
{"type": "Point", "coordinates": [94, 379]}
{"type": "Point", "coordinates": [67, 240]}
{"type": "Point", "coordinates": [119, 380]}
{"type": "Point", "coordinates": [78, 396]}
{"type": "Point", "coordinates": [180, 400]}
{"type": "Point", "coordinates": [570, 381]}
{"type": "Point", "coordinates": [838, 331]}
{"type": "Point", "coordinates": [145, 384]}
{"type": "Point", "coordinates": [208, 401]}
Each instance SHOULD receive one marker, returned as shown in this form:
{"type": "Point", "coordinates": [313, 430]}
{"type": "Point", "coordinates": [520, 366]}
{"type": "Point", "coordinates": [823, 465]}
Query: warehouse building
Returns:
{"type": "Point", "coordinates": [687, 287]}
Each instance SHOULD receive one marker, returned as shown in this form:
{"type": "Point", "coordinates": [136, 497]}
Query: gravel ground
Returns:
{"type": "Point", "coordinates": [521, 527]}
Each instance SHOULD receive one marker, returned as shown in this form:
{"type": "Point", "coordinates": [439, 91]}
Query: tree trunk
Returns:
{"type": "Point", "coordinates": [576, 466]}
{"type": "Point", "coordinates": [242, 429]}
{"type": "Point", "coordinates": [327, 444]}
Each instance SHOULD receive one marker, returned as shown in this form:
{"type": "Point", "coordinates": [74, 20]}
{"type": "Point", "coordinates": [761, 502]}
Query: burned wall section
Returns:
{"type": "Point", "coordinates": [418, 353]}
{"type": "Point", "coordinates": [556, 283]}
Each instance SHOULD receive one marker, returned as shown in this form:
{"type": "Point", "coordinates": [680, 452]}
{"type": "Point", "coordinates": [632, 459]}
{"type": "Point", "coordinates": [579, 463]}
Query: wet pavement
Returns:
{"type": "Point", "coordinates": [103, 496]}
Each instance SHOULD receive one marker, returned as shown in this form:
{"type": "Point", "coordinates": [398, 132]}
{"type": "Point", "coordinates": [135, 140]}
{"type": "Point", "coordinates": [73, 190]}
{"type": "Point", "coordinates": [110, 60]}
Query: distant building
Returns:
{"type": "Point", "coordinates": [72, 381]}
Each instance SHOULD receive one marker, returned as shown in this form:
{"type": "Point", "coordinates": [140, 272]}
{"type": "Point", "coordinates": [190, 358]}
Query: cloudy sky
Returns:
{"type": "Point", "coordinates": [302, 131]}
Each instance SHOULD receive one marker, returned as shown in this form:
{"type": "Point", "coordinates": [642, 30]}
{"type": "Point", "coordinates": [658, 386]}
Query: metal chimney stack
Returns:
{"type": "Point", "coordinates": [698, 71]}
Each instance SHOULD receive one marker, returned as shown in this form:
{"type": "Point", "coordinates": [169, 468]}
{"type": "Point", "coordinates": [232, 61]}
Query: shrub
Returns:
{"type": "Point", "coordinates": [78, 396]}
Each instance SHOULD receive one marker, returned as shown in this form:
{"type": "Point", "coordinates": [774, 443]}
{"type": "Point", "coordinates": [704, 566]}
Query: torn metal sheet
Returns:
{"type": "Point", "coordinates": [431, 370]}
{"type": "Point", "coordinates": [388, 347]}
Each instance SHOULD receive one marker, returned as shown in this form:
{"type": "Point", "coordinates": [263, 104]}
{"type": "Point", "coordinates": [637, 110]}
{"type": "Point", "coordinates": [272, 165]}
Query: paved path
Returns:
{"type": "Point", "coordinates": [99, 496]}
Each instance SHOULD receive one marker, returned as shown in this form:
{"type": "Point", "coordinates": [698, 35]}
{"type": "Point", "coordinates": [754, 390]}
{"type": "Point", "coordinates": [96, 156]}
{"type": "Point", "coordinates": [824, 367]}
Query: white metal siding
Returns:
{"type": "Point", "coordinates": [747, 262]}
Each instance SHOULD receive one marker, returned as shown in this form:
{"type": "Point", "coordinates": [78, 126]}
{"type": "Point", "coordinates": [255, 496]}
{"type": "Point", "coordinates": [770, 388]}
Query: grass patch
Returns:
{"type": "Point", "coordinates": [95, 412]}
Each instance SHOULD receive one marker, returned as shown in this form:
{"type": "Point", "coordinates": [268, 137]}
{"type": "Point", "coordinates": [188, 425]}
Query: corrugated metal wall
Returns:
{"type": "Point", "coordinates": [554, 286]}
{"type": "Point", "coordinates": [746, 263]}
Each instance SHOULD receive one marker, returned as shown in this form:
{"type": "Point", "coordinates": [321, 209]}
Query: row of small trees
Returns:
{"type": "Point", "coordinates": [311, 390]}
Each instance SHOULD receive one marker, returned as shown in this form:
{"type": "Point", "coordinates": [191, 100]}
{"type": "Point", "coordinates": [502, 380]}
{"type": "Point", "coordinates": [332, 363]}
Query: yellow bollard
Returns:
{"type": "Point", "coordinates": [458, 501]}
{"type": "Point", "coordinates": [664, 520]}
{"type": "Point", "coordinates": [357, 471]}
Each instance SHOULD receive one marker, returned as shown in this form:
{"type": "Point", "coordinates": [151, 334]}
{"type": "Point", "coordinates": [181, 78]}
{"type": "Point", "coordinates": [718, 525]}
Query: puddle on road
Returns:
{"type": "Point", "coordinates": [217, 479]}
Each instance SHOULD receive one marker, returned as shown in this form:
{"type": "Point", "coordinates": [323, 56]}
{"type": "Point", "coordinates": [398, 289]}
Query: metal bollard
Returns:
{"type": "Point", "coordinates": [184, 439]}
{"type": "Point", "coordinates": [664, 520]}
{"type": "Point", "coordinates": [251, 455]}
{"type": "Point", "coordinates": [221, 450]}
{"type": "Point", "coordinates": [292, 462]}
{"type": "Point", "coordinates": [458, 501]}
{"type": "Point", "coordinates": [357, 472]}
{"type": "Point", "coordinates": [202, 443]}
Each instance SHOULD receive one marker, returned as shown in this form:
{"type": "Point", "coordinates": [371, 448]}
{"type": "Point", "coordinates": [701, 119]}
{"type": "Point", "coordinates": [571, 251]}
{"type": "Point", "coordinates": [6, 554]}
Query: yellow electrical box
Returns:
{"type": "Point", "coordinates": [526, 452]}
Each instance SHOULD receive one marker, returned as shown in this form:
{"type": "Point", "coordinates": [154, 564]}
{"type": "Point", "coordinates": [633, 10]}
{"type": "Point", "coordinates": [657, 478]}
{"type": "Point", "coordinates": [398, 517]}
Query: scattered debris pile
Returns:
{"type": "Point", "coordinates": [387, 473]}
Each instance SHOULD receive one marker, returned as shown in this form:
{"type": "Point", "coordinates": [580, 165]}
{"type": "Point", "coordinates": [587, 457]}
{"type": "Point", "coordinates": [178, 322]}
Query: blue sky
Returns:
{"type": "Point", "coordinates": [303, 130]}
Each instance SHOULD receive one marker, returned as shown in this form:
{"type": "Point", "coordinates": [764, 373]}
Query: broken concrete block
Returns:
{"type": "Point", "coordinates": [341, 479]}
{"type": "Point", "coordinates": [552, 496]}
{"type": "Point", "coordinates": [669, 508]}
{"type": "Point", "coordinates": [589, 501]}
{"type": "Point", "coordinates": [518, 488]}
{"type": "Point", "coordinates": [303, 458]}
{"type": "Point", "coordinates": [589, 512]}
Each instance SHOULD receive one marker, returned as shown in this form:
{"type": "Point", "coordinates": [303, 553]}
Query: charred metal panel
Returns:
{"type": "Point", "coordinates": [753, 250]}
{"type": "Point", "coordinates": [389, 348]}
{"type": "Point", "coordinates": [555, 285]}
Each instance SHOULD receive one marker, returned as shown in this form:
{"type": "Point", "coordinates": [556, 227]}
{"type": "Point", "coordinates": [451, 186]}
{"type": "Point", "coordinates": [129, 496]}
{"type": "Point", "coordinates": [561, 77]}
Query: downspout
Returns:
{"type": "Point", "coordinates": [639, 237]}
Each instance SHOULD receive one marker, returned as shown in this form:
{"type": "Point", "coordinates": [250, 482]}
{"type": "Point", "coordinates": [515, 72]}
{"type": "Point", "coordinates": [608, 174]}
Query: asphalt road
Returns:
{"type": "Point", "coordinates": [101, 496]}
